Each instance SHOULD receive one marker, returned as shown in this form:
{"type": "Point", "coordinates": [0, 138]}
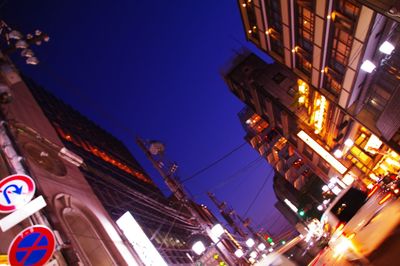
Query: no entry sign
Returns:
{"type": "Point", "coordinates": [34, 246]}
{"type": "Point", "coordinates": [15, 191]}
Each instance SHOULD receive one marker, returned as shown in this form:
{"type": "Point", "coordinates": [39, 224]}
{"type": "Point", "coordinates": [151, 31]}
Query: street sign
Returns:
{"type": "Point", "coordinates": [22, 213]}
{"type": "Point", "coordinates": [15, 191]}
{"type": "Point", "coordinates": [34, 246]}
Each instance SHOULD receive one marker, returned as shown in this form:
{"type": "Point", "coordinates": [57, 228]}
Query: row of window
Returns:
{"type": "Point", "coordinates": [344, 18]}
{"type": "Point", "coordinates": [274, 20]}
{"type": "Point", "coordinates": [304, 35]}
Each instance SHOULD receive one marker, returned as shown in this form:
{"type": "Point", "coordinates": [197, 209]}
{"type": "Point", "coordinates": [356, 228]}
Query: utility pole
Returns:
{"type": "Point", "coordinates": [154, 151]}
{"type": "Point", "coordinates": [229, 215]}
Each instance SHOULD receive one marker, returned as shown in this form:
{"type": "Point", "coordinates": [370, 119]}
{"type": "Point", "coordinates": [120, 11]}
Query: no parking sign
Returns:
{"type": "Point", "coordinates": [34, 246]}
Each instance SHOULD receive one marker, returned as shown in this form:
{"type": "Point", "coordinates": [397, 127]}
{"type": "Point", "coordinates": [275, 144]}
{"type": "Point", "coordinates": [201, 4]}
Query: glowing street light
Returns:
{"type": "Point", "coordinates": [368, 66]}
{"type": "Point", "coordinates": [348, 142]}
{"type": "Point", "coordinates": [198, 247]}
{"type": "Point", "coordinates": [338, 153]}
{"type": "Point", "coordinates": [261, 246]}
{"type": "Point", "coordinates": [217, 230]}
{"type": "Point", "coordinates": [239, 253]}
{"type": "Point", "coordinates": [386, 47]}
{"type": "Point", "coordinates": [253, 254]}
{"type": "Point", "coordinates": [250, 242]}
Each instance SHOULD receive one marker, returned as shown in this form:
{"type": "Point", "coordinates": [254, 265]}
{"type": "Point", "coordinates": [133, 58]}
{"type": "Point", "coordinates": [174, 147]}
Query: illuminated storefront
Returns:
{"type": "Point", "coordinates": [319, 113]}
{"type": "Point", "coordinates": [303, 93]}
{"type": "Point", "coordinates": [372, 157]}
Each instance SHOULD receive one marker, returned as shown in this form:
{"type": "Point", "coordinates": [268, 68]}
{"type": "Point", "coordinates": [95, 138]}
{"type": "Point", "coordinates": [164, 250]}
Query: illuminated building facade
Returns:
{"type": "Point", "coordinates": [344, 67]}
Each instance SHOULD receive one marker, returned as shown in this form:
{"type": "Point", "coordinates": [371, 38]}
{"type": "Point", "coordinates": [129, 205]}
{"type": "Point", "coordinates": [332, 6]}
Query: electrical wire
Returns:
{"type": "Point", "coordinates": [128, 131]}
{"type": "Point", "coordinates": [118, 124]}
{"type": "Point", "coordinates": [67, 86]}
{"type": "Point", "coordinates": [258, 192]}
{"type": "Point", "coordinates": [170, 228]}
{"type": "Point", "coordinates": [202, 170]}
{"type": "Point", "coordinates": [232, 177]}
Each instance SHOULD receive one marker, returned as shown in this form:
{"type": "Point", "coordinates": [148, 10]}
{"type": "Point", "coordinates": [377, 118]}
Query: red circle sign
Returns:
{"type": "Point", "coordinates": [15, 191]}
{"type": "Point", "coordinates": [34, 246]}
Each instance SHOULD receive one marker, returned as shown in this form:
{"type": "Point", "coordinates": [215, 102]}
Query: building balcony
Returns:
{"type": "Point", "coordinates": [272, 158]}
{"type": "Point", "coordinates": [280, 167]}
{"type": "Point", "coordinates": [291, 175]}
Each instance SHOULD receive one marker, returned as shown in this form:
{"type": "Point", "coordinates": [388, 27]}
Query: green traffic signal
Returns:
{"type": "Point", "coordinates": [301, 213]}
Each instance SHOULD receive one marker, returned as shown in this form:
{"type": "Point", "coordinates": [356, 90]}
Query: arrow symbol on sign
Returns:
{"type": "Point", "coordinates": [18, 190]}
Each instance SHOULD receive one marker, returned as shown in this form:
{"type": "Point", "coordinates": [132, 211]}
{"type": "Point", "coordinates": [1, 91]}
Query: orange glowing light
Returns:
{"type": "Point", "coordinates": [386, 198]}
{"type": "Point", "coordinates": [103, 155]}
{"type": "Point", "coordinates": [373, 190]}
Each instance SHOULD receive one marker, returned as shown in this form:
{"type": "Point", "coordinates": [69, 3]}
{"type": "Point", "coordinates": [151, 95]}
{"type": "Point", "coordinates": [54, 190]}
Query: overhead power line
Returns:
{"type": "Point", "coordinates": [213, 163]}
{"type": "Point", "coordinates": [258, 192]}
{"type": "Point", "coordinates": [237, 172]}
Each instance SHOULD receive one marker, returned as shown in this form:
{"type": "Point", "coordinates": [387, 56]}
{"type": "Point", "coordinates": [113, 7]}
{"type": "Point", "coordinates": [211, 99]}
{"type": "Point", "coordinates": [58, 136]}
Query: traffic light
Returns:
{"type": "Point", "coordinates": [301, 213]}
{"type": "Point", "coordinates": [269, 239]}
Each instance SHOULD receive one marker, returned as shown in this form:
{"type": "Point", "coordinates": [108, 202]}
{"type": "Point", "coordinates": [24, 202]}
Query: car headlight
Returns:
{"type": "Point", "coordinates": [344, 244]}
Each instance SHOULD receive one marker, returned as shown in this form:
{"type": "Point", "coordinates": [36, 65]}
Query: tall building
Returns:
{"type": "Point", "coordinates": [272, 128]}
{"type": "Point", "coordinates": [89, 179]}
{"type": "Point", "coordinates": [118, 180]}
{"type": "Point", "coordinates": [333, 91]}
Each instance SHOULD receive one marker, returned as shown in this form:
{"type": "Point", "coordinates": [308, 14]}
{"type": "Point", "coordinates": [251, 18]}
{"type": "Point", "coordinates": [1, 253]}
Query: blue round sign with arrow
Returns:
{"type": "Point", "coordinates": [15, 191]}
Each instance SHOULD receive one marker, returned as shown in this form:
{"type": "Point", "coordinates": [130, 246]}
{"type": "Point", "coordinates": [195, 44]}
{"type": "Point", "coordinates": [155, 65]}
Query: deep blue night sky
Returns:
{"type": "Point", "coordinates": [152, 68]}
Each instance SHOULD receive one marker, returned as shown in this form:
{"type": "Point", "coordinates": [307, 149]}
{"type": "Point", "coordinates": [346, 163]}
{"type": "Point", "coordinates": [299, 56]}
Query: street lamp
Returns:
{"type": "Point", "coordinates": [368, 66]}
{"type": "Point", "coordinates": [250, 242]}
{"type": "Point", "coordinates": [15, 41]}
{"type": "Point", "coordinates": [386, 47]}
{"type": "Point", "coordinates": [216, 232]}
{"type": "Point", "coordinates": [261, 246]}
{"type": "Point", "coordinates": [198, 247]}
{"type": "Point", "coordinates": [239, 253]}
